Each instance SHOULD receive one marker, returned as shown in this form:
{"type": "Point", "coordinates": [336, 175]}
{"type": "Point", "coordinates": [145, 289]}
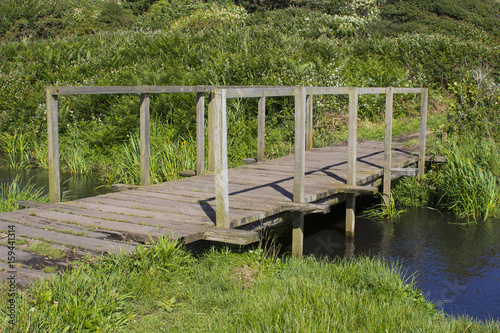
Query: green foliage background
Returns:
{"type": "Point", "coordinates": [448, 46]}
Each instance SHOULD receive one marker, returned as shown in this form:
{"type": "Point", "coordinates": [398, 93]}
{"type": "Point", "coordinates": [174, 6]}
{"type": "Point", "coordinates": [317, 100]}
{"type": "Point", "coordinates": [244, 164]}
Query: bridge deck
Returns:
{"type": "Point", "coordinates": [184, 208]}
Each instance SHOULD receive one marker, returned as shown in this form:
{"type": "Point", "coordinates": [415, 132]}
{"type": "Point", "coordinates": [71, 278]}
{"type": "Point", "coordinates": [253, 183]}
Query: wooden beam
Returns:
{"type": "Point", "coordinates": [220, 158]}
{"type": "Point", "coordinates": [298, 234]}
{"type": "Point", "coordinates": [389, 102]}
{"type": "Point", "coordinates": [53, 148]}
{"type": "Point", "coordinates": [407, 172]}
{"type": "Point", "coordinates": [306, 208]}
{"type": "Point", "coordinates": [300, 145]}
{"type": "Point", "coordinates": [200, 133]}
{"type": "Point", "coordinates": [144, 138]}
{"type": "Point", "coordinates": [353, 189]}
{"type": "Point", "coordinates": [423, 133]}
{"type": "Point", "coordinates": [309, 122]}
{"type": "Point", "coordinates": [351, 161]}
{"type": "Point", "coordinates": [231, 236]}
{"type": "Point", "coordinates": [211, 132]}
{"type": "Point", "coordinates": [261, 129]}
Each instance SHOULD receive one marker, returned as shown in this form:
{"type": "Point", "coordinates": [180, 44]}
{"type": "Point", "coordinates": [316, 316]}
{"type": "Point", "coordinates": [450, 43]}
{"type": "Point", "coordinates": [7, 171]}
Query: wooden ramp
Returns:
{"type": "Point", "coordinates": [258, 194]}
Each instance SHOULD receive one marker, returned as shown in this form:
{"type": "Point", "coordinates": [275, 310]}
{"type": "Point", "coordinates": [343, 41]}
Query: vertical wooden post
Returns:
{"type": "Point", "coordinates": [261, 130]}
{"type": "Point", "coordinates": [351, 161]}
{"type": "Point", "coordinates": [423, 131]}
{"type": "Point", "coordinates": [53, 149]}
{"type": "Point", "coordinates": [144, 138]}
{"type": "Point", "coordinates": [200, 133]}
{"type": "Point", "coordinates": [220, 159]}
{"type": "Point", "coordinates": [299, 169]}
{"type": "Point", "coordinates": [389, 102]}
{"type": "Point", "coordinates": [211, 132]}
{"type": "Point", "coordinates": [309, 122]}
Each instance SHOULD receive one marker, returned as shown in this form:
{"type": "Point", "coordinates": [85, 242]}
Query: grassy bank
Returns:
{"type": "Point", "coordinates": [165, 289]}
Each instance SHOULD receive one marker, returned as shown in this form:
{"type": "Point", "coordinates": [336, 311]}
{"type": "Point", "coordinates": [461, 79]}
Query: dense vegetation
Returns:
{"type": "Point", "coordinates": [166, 289]}
{"type": "Point", "coordinates": [449, 46]}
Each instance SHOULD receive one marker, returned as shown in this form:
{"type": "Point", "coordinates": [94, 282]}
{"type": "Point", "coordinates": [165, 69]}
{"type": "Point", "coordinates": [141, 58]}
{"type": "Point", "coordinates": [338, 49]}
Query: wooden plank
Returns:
{"type": "Point", "coordinates": [53, 147]}
{"type": "Point", "coordinates": [231, 236]}
{"type": "Point", "coordinates": [300, 145]}
{"type": "Point", "coordinates": [76, 241]}
{"type": "Point", "coordinates": [370, 91]}
{"type": "Point", "coordinates": [369, 190]}
{"type": "Point", "coordinates": [389, 101]}
{"type": "Point", "coordinates": [327, 90]}
{"type": "Point", "coordinates": [106, 90]}
{"type": "Point", "coordinates": [261, 129]}
{"type": "Point", "coordinates": [259, 92]}
{"type": "Point", "coordinates": [200, 133]}
{"type": "Point", "coordinates": [306, 208]}
{"type": "Point", "coordinates": [407, 172]}
{"type": "Point", "coordinates": [423, 133]}
{"type": "Point", "coordinates": [408, 90]}
{"type": "Point", "coordinates": [144, 140]}
{"type": "Point", "coordinates": [220, 157]}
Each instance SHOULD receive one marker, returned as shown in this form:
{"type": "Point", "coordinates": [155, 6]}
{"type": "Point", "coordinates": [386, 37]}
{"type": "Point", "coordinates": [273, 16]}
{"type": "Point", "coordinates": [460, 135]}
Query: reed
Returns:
{"type": "Point", "coordinates": [15, 190]}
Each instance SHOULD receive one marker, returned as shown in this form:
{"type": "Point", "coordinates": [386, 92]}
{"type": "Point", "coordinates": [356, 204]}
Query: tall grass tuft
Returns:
{"type": "Point", "coordinates": [17, 191]}
{"type": "Point", "coordinates": [382, 211]}
{"type": "Point", "coordinates": [469, 181]}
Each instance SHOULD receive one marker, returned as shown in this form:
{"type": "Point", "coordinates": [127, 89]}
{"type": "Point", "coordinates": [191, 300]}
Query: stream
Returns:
{"type": "Point", "coordinates": [456, 265]}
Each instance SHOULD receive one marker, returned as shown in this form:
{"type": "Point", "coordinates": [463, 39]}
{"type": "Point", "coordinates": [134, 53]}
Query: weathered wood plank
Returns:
{"type": "Point", "coordinates": [200, 133]}
{"type": "Point", "coordinates": [423, 133]}
{"type": "Point", "coordinates": [231, 236]}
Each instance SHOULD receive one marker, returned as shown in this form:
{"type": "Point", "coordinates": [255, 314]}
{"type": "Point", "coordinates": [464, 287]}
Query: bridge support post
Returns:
{"type": "Point", "coordinates": [220, 158]}
{"type": "Point", "coordinates": [351, 161]}
{"type": "Point", "coordinates": [211, 132]}
{"type": "Point", "coordinates": [309, 122]}
{"type": "Point", "coordinates": [53, 147]}
{"type": "Point", "coordinates": [144, 139]}
{"type": "Point", "coordinates": [200, 133]}
{"type": "Point", "coordinates": [389, 101]}
{"type": "Point", "coordinates": [423, 131]}
{"type": "Point", "coordinates": [261, 130]}
{"type": "Point", "coordinates": [299, 169]}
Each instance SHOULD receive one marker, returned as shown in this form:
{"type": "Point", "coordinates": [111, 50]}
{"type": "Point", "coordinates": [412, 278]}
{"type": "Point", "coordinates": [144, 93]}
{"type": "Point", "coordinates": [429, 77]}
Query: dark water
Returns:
{"type": "Point", "coordinates": [456, 264]}
{"type": "Point", "coordinates": [72, 186]}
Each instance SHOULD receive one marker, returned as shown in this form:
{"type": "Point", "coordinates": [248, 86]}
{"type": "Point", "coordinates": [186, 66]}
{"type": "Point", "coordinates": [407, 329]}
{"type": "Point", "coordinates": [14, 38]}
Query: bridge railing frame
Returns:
{"type": "Point", "coordinates": [217, 134]}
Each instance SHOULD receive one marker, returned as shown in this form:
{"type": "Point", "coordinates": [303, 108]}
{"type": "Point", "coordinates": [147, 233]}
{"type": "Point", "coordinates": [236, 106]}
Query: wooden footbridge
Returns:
{"type": "Point", "coordinates": [218, 204]}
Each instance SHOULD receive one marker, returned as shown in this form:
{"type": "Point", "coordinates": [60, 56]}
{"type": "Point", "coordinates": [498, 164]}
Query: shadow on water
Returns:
{"type": "Point", "coordinates": [456, 264]}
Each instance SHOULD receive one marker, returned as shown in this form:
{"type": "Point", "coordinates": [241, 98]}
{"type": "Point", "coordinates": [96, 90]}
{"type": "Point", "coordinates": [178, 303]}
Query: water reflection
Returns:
{"type": "Point", "coordinates": [72, 186]}
{"type": "Point", "coordinates": [456, 264]}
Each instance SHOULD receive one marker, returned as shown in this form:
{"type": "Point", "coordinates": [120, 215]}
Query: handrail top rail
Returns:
{"type": "Point", "coordinates": [232, 91]}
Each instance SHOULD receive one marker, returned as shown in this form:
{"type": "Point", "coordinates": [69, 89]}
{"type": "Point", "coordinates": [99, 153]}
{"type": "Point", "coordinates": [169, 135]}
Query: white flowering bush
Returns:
{"type": "Point", "coordinates": [358, 14]}
{"type": "Point", "coordinates": [210, 18]}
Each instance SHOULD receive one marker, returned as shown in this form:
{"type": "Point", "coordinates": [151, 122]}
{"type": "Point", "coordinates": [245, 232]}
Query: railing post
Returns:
{"type": "Point", "coordinates": [423, 131]}
{"type": "Point", "coordinates": [351, 161]}
{"type": "Point", "coordinates": [299, 169]}
{"type": "Point", "coordinates": [53, 147]}
{"type": "Point", "coordinates": [261, 130]}
{"type": "Point", "coordinates": [200, 133]}
{"type": "Point", "coordinates": [144, 138]}
{"type": "Point", "coordinates": [211, 132]}
{"type": "Point", "coordinates": [309, 122]}
{"type": "Point", "coordinates": [220, 159]}
{"type": "Point", "coordinates": [389, 102]}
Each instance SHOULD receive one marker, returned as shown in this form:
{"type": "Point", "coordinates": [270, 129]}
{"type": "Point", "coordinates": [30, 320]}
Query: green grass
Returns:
{"type": "Point", "coordinates": [165, 289]}
{"type": "Point", "coordinates": [16, 190]}
{"type": "Point", "coordinates": [45, 250]}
